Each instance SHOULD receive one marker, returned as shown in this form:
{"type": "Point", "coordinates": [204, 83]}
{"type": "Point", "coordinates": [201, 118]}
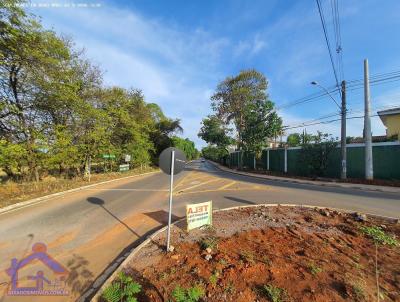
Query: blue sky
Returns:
{"type": "Point", "coordinates": [178, 51]}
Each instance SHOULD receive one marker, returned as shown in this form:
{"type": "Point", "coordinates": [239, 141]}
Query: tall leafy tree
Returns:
{"type": "Point", "coordinates": [243, 101]}
{"type": "Point", "coordinates": [235, 94]}
{"type": "Point", "coordinates": [215, 132]}
{"type": "Point", "coordinates": [294, 139]}
{"type": "Point", "coordinates": [260, 123]}
{"type": "Point", "coordinates": [187, 146]}
{"type": "Point", "coordinates": [55, 114]}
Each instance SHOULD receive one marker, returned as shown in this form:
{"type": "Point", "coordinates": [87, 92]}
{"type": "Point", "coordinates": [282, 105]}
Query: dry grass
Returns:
{"type": "Point", "coordinates": [12, 192]}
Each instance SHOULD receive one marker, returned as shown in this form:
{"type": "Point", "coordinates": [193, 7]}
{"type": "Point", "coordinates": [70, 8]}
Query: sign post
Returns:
{"type": "Point", "coordinates": [172, 161]}
{"type": "Point", "coordinates": [171, 189]}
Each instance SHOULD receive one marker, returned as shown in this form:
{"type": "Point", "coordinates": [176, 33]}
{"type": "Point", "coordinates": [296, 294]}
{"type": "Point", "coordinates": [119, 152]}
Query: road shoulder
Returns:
{"type": "Point", "coordinates": [27, 203]}
{"type": "Point", "coordinates": [371, 188]}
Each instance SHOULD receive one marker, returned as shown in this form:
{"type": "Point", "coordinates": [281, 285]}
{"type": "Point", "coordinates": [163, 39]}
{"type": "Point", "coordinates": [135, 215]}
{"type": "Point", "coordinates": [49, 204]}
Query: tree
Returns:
{"type": "Point", "coordinates": [260, 123]}
{"type": "Point", "coordinates": [316, 152]}
{"type": "Point", "coordinates": [234, 94]}
{"type": "Point", "coordinates": [214, 153]}
{"type": "Point", "coordinates": [187, 146]}
{"type": "Point", "coordinates": [294, 139]}
{"type": "Point", "coordinates": [55, 114]}
{"type": "Point", "coordinates": [38, 83]}
{"type": "Point", "coordinates": [214, 132]}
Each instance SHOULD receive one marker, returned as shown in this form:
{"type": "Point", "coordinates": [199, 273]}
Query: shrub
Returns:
{"type": "Point", "coordinates": [191, 294]}
{"type": "Point", "coordinates": [274, 293]}
{"type": "Point", "coordinates": [123, 288]}
{"type": "Point", "coordinates": [379, 236]}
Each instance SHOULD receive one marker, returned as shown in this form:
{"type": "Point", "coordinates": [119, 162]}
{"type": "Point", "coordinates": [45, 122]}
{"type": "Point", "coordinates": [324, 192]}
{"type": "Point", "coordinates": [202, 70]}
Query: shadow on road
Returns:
{"type": "Point", "coordinates": [239, 200]}
{"type": "Point", "coordinates": [79, 277]}
{"type": "Point", "coordinates": [100, 202]}
{"type": "Point", "coordinates": [161, 216]}
{"type": "Point", "coordinates": [93, 286]}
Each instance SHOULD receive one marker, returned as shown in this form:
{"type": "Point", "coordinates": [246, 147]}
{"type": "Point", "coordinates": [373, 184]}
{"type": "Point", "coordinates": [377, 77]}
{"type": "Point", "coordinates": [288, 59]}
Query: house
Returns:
{"type": "Point", "coordinates": [391, 119]}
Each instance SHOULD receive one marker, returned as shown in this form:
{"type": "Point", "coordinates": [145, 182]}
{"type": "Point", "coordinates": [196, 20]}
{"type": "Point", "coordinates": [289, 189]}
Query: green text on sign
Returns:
{"type": "Point", "coordinates": [198, 214]}
{"type": "Point", "coordinates": [123, 168]}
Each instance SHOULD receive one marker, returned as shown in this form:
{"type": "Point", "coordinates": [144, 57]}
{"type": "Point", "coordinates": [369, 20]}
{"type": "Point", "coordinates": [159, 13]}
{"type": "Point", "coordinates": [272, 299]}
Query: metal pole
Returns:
{"type": "Point", "coordinates": [343, 174]}
{"type": "Point", "coordinates": [90, 168]}
{"type": "Point", "coordinates": [369, 172]}
{"type": "Point", "coordinates": [170, 199]}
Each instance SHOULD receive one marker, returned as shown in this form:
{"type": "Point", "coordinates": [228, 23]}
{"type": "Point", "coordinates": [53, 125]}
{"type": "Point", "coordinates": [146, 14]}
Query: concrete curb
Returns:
{"type": "Point", "coordinates": [368, 188]}
{"type": "Point", "coordinates": [110, 279]}
{"type": "Point", "coordinates": [31, 202]}
{"type": "Point", "coordinates": [127, 260]}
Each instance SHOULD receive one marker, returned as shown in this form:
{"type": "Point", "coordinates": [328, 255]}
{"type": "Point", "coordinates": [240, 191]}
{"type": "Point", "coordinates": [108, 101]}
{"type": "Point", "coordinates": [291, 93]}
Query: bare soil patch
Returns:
{"type": "Point", "coordinates": [266, 253]}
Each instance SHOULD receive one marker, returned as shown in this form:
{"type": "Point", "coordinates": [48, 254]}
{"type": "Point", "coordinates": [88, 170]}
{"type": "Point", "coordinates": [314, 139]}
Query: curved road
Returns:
{"type": "Point", "coordinates": [89, 230]}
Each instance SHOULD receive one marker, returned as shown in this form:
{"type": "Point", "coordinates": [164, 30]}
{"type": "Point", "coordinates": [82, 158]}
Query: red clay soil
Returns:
{"type": "Point", "coordinates": [310, 254]}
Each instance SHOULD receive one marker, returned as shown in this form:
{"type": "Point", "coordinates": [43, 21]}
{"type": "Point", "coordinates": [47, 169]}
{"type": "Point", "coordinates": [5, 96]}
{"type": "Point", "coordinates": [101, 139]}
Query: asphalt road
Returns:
{"type": "Point", "coordinates": [87, 231]}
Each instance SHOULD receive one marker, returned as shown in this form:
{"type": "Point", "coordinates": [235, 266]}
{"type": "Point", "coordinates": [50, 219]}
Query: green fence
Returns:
{"type": "Point", "coordinates": [246, 159]}
{"type": "Point", "coordinates": [386, 161]}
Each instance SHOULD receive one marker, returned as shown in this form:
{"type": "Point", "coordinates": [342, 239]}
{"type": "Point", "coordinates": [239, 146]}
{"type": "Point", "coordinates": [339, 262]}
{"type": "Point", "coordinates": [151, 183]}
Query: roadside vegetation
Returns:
{"type": "Point", "coordinates": [13, 192]}
{"type": "Point", "coordinates": [122, 289]}
{"type": "Point", "coordinates": [57, 117]}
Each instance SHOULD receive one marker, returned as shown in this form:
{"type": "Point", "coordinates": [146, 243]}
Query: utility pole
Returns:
{"type": "Point", "coordinates": [343, 174]}
{"type": "Point", "coordinates": [369, 172]}
{"type": "Point", "coordinates": [343, 110]}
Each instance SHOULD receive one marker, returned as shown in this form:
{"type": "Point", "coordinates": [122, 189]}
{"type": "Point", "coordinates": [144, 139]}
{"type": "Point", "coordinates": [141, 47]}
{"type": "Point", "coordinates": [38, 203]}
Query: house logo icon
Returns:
{"type": "Point", "coordinates": [42, 284]}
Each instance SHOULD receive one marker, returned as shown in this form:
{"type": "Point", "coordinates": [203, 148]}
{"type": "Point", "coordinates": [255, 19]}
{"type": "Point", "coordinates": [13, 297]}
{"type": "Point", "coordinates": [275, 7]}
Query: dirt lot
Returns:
{"type": "Point", "coordinates": [275, 254]}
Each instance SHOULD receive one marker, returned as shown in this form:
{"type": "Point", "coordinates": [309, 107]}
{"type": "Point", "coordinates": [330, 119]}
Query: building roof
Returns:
{"type": "Point", "coordinates": [389, 111]}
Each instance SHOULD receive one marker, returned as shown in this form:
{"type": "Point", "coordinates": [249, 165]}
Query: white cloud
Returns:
{"type": "Point", "coordinates": [175, 69]}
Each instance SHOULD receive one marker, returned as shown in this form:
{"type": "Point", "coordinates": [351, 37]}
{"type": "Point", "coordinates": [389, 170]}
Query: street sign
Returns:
{"type": "Point", "coordinates": [127, 158]}
{"type": "Point", "coordinates": [123, 168]}
{"type": "Point", "coordinates": [198, 214]}
{"type": "Point", "coordinates": [171, 161]}
{"type": "Point", "coordinates": [108, 156]}
{"type": "Point", "coordinates": [165, 161]}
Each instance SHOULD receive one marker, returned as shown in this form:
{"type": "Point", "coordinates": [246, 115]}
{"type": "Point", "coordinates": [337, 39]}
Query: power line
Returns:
{"type": "Point", "coordinates": [377, 79]}
{"type": "Point", "coordinates": [321, 14]}
{"type": "Point", "coordinates": [327, 122]}
{"type": "Point", "coordinates": [309, 98]}
{"type": "Point", "coordinates": [307, 123]}
{"type": "Point", "coordinates": [338, 37]}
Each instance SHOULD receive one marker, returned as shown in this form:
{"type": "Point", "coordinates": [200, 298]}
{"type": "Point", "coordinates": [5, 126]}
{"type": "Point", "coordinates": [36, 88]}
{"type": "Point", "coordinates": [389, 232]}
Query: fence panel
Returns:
{"type": "Point", "coordinates": [277, 160]}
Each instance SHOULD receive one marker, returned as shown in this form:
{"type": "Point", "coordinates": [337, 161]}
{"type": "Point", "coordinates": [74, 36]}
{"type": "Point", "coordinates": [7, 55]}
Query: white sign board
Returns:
{"type": "Point", "coordinates": [127, 158]}
{"type": "Point", "coordinates": [198, 214]}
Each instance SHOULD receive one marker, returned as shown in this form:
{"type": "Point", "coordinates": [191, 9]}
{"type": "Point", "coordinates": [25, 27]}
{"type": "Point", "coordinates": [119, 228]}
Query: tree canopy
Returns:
{"type": "Point", "coordinates": [56, 114]}
{"type": "Point", "coordinates": [241, 101]}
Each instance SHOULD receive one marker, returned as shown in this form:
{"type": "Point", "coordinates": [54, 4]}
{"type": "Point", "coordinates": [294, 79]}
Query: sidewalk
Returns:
{"type": "Point", "coordinates": [363, 187]}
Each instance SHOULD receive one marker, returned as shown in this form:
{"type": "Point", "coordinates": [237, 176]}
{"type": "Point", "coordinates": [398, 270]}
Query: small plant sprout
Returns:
{"type": "Point", "coordinates": [213, 279]}
{"type": "Point", "coordinates": [191, 294]}
{"type": "Point", "coordinates": [230, 288]}
{"type": "Point", "coordinates": [247, 257]}
{"type": "Point", "coordinates": [314, 269]}
{"type": "Point", "coordinates": [359, 291]}
{"type": "Point", "coordinates": [379, 236]}
{"type": "Point", "coordinates": [274, 293]}
{"type": "Point", "coordinates": [209, 242]}
{"type": "Point", "coordinates": [122, 289]}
